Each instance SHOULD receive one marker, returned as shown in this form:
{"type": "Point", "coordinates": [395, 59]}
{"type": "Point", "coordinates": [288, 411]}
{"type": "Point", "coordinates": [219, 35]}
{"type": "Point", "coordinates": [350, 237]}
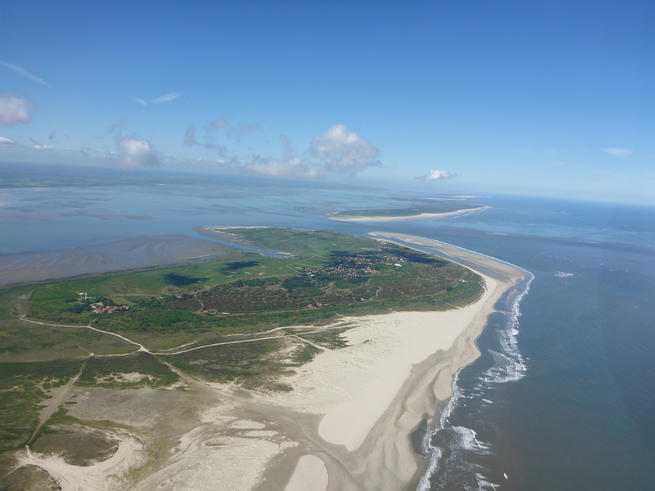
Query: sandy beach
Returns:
{"type": "Point", "coordinates": [397, 370]}
{"type": "Point", "coordinates": [345, 425]}
{"type": "Point", "coordinates": [407, 217]}
{"type": "Point", "coordinates": [347, 422]}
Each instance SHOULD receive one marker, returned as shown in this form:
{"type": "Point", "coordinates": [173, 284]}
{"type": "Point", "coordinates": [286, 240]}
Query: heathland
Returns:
{"type": "Point", "coordinates": [244, 320]}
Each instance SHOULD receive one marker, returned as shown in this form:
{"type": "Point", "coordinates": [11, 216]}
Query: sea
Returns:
{"type": "Point", "coordinates": [563, 394]}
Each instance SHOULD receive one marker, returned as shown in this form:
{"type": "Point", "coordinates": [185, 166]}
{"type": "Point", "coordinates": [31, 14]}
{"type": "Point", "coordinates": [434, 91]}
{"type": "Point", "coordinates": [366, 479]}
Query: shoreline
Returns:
{"type": "Point", "coordinates": [367, 434]}
{"type": "Point", "coordinates": [363, 218]}
{"type": "Point", "coordinates": [119, 256]}
{"type": "Point", "coordinates": [347, 424]}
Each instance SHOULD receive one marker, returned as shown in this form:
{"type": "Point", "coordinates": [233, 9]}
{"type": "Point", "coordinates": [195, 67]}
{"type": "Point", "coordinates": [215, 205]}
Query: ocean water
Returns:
{"type": "Point", "coordinates": [563, 396]}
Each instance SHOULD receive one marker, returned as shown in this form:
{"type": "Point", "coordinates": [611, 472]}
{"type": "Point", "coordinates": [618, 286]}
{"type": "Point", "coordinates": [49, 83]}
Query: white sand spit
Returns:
{"type": "Point", "coordinates": [389, 218]}
{"type": "Point", "coordinates": [246, 424]}
{"type": "Point", "coordinates": [207, 459]}
{"type": "Point", "coordinates": [107, 474]}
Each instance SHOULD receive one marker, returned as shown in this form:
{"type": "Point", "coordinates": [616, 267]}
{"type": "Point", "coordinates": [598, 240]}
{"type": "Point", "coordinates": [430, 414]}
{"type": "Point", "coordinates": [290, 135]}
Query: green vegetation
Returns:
{"type": "Point", "coordinates": [135, 370]}
{"type": "Point", "coordinates": [226, 301]}
{"type": "Point", "coordinates": [253, 365]}
{"type": "Point", "coordinates": [306, 243]}
{"type": "Point", "coordinates": [77, 444]}
{"type": "Point", "coordinates": [23, 387]}
{"type": "Point", "coordinates": [327, 273]}
{"type": "Point", "coordinates": [176, 279]}
{"type": "Point", "coordinates": [28, 477]}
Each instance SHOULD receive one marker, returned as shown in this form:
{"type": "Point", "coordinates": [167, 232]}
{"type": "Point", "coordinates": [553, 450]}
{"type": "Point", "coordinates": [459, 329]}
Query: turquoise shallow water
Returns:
{"type": "Point", "coordinates": [577, 414]}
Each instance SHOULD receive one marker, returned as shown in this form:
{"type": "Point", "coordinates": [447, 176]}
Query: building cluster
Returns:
{"type": "Point", "coordinates": [354, 266]}
{"type": "Point", "coordinates": [101, 308]}
{"type": "Point", "coordinates": [349, 267]}
{"type": "Point", "coordinates": [394, 261]}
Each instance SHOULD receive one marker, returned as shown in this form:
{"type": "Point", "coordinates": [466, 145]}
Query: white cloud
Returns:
{"type": "Point", "coordinates": [43, 147]}
{"type": "Point", "coordinates": [344, 152]}
{"type": "Point", "coordinates": [618, 152]}
{"type": "Point", "coordinates": [165, 98]}
{"type": "Point", "coordinates": [337, 151]}
{"type": "Point", "coordinates": [235, 131]}
{"type": "Point", "coordinates": [6, 142]}
{"type": "Point", "coordinates": [157, 100]}
{"type": "Point", "coordinates": [14, 109]}
{"type": "Point", "coordinates": [137, 153]}
{"type": "Point", "coordinates": [24, 73]}
{"type": "Point", "coordinates": [290, 165]}
{"type": "Point", "coordinates": [191, 140]}
{"type": "Point", "coordinates": [294, 167]}
{"type": "Point", "coordinates": [436, 175]}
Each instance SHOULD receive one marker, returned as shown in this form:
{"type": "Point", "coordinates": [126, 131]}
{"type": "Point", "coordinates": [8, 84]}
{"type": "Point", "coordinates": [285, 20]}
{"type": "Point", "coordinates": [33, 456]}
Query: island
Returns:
{"type": "Point", "coordinates": [426, 208]}
{"type": "Point", "coordinates": [294, 360]}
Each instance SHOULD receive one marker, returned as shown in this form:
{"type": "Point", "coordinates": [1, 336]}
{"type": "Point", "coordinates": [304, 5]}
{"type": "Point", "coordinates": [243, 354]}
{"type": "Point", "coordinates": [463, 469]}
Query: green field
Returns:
{"type": "Point", "coordinates": [231, 302]}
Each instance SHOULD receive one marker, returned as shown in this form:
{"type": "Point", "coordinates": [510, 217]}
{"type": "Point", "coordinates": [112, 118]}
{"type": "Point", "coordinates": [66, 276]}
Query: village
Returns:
{"type": "Point", "coordinates": [101, 308]}
{"type": "Point", "coordinates": [354, 266]}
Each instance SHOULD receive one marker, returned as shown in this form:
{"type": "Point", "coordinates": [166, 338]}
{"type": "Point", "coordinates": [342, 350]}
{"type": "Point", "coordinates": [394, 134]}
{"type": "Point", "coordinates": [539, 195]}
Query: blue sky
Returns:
{"type": "Point", "coordinates": [555, 99]}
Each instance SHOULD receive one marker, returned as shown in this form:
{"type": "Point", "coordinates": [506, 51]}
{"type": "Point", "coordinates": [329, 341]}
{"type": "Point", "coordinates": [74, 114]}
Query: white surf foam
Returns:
{"type": "Point", "coordinates": [509, 366]}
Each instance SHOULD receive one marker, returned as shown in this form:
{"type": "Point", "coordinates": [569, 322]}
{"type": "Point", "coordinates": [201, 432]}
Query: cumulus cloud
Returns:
{"type": "Point", "coordinates": [24, 73]}
{"type": "Point", "coordinates": [237, 131]}
{"type": "Point", "coordinates": [295, 167]}
{"type": "Point", "coordinates": [165, 98]}
{"type": "Point", "coordinates": [14, 109]}
{"type": "Point", "coordinates": [618, 152]}
{"type": "Point", "coordinates": [140, 101]}
{"type": "Point", "coordinates": [437, 175]}
{"type": "Point", "coordinates": [36, 146]}
{"type": "Point", "coordinates": [137, 153]}
{"type": "Point", "coordinates": [336, 151]}
{"type": "Point", "coordinates": [6, 142]}
{"type": "Point", "coordinates": [290, 165]}
{"type": "Point", "coordinates": [343, 152]}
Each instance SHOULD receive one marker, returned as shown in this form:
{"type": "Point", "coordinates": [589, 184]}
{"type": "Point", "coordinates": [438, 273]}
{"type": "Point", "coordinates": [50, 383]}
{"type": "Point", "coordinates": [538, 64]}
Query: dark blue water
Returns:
{"type": "Point", "coordinates": [563, 396]}
{"type": "Point", "coordinates": [582, 416]}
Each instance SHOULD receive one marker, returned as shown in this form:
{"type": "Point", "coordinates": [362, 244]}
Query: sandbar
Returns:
{"type": "Point", "coordinates": [388, 218]}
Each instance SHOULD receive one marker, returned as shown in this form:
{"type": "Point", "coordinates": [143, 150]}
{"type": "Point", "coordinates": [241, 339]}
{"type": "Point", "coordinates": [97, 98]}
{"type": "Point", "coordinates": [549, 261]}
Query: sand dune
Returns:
{"type": "Point", "coordinates": [345, 425]}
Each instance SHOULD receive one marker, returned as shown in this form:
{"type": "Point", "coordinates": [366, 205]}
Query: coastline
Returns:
{"type": "Point", "coordinates": [345, 425]}
{"type": "Point", "coordinates": [368, 414]}
{"type": "Point", "coordinates": [356, 218]}
{"type": "Point", "coordinates": [117, 256]}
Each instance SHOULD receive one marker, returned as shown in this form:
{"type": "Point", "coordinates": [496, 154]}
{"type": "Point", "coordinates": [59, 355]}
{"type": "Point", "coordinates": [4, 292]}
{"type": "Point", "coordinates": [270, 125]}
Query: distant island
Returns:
{"type": "Point", "coordinates": [439, 207]}
{"type": "Point", "coordinates": [135, 377]}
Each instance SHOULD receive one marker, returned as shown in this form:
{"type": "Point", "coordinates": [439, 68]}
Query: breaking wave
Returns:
{"type": "Point", "coordinates": [448, 446]}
